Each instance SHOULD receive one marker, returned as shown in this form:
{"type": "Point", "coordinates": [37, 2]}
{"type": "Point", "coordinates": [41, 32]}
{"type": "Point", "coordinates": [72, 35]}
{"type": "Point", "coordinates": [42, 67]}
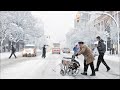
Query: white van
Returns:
{"type": "Point", "coordinates": [29, 50]}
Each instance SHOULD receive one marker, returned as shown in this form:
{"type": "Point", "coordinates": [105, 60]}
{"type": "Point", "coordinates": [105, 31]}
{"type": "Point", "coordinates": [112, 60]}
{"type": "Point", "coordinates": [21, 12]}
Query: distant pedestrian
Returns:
{"type": "Point", "coordinates": [43, 52]}
{"type": "Point", "coordinates": [13, 51]}
{"type": "Point", "coordinates": [4, 48]}
{"type": "Point", "coordinates": [101, 49]}
{"type": "Point", "coordinates": [113, 51]}
{"type": "Point", "coordinates": [110, 51]}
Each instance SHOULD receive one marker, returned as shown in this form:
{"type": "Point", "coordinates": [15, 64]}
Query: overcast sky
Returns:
{"type": "Point", "coordinates": [56, 23]}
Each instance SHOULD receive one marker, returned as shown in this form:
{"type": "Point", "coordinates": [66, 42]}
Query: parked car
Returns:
{"type": "Point", "coordinates": [29, 50]}
{"type": "Point", "coordinates": [56, 50]}
{"type": "Point", "coordinates": [66, 50]}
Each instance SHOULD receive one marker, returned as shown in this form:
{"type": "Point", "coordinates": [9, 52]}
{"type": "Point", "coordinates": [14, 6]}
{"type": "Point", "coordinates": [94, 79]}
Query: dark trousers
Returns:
{"type": "Point", "coordinates": [91, 66]}
{"type": "Point", "coordinates": [101, 59]}
{"type": "Point", "coordinates": [13, 53]}
{"type": "Point", "coordinates": [43, 55]}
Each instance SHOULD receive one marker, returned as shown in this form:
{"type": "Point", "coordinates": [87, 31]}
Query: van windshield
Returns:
{"type": "Point", "coordinates": [29, 46]}
{"type": "Point", "coordinates": [66, 48]}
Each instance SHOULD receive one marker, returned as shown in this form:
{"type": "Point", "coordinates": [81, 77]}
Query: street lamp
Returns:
{"type": "Point", "coordinates": [106, 34]}
{"type": "Point", "coordinates": [114, 21]}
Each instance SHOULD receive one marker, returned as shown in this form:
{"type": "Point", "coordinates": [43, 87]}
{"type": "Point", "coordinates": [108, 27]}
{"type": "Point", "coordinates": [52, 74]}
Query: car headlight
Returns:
{"type": "Point", "coordinates": [24, 51]}
{"type": "Point", "coordinates": [32, 52]}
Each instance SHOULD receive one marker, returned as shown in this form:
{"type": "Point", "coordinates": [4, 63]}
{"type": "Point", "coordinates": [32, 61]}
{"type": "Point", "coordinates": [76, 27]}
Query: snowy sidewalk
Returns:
{"type": "Point", "coordinates": [6, 55]}
{"type": "Point", "coordinates": [115, 58]}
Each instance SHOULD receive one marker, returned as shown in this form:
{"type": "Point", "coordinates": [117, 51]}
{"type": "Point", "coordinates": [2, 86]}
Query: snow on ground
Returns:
{"type": "Point", "coordinates": [6, 55]}
{"type": "Point", "coordinates": [114, 58]}
{"type": "Point", "coordinates": [34, 68]}
{"type": "Point", "coordinates": [48, 68]}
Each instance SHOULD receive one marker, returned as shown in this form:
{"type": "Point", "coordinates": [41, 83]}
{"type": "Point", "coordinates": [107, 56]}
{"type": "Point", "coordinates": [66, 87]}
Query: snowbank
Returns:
{"type": "Point", "coordinates": [115, 58]}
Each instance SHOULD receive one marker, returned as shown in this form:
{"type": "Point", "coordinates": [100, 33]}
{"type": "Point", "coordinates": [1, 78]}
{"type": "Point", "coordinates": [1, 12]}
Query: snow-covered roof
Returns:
{"type": "Point", "coordinates": [29, 45]}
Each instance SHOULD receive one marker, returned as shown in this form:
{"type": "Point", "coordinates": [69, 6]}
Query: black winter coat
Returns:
{"type": "Point", "coordinates": [44, 50]}
{"type": "Point", "coordinates": [101, 47]}
{"type": "Point", "coordinates": [13, 50]}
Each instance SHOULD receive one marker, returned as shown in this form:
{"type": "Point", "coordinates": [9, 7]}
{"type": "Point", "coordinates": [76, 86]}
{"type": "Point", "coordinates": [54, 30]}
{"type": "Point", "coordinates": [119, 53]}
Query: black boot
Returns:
{"type": "Point", "coordinates": [93, 74]}
{"type": "Point", "coordinates": [84, 73]}
{"type": "Point", "coordinates": [108, 68]}
{"type": "Point", "coordinates": [96, 69]}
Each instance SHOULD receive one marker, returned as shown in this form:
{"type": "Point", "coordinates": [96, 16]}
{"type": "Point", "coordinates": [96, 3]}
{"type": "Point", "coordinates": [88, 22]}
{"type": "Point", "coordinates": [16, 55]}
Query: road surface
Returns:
{"type": "Point", "coordinates": [48, 68]}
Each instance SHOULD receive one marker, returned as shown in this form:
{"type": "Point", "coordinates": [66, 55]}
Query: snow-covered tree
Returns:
{"type": "Point", "coordinates": [16, 32]}
{"type": "Point", "coordinates": [87, 34]}
{"type": "Point", "coordinates": [20, 25]}
{"type": "Point", "coordinates": [5, 19]}
{"type": "Point", "coordinates": [114, 34]}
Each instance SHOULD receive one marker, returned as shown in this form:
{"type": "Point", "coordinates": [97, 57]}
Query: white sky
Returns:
{"type": "Point", "coordinates": [56, 23]}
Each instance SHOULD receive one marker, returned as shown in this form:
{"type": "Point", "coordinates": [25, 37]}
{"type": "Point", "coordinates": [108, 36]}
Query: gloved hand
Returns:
{"type": "Point", "coordinates": [73, 56]}
{"type": "Point", "coordinates": [76, 54]}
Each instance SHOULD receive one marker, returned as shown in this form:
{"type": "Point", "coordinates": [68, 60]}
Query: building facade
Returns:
{"type": "Point", "coordinates": [106, 24]}
{"type": "Point", "coordinates": [81, 20]}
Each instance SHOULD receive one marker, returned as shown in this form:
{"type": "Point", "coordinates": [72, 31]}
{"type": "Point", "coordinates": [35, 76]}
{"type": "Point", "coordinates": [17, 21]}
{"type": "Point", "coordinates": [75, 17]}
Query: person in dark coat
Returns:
{"type": "Point", "coordinates": [12, 52]}
{"type": "Point", "coordinates": [101, 49]}
{"type": "Point", "coordinates": [88, 58]}
{"type": "Point", "coordinates": [44, 52]}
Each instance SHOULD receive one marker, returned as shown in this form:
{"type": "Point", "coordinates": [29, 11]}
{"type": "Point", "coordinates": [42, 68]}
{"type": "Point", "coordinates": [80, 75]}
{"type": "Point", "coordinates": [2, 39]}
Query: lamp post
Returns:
{"type": "Point", "coordinates": [106, 34]}
{"type": "Point", "coordinates": [117, 25]}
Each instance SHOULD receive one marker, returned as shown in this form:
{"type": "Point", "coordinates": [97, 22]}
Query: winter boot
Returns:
{"type": "Point", "coordinates": [84, 73]}
{"type": "Point", "coordinates": [96, 69]}
{"type": "Point", "coordinates": [93, 74]}
{"type": "Point", "coordinates": [108, 68]}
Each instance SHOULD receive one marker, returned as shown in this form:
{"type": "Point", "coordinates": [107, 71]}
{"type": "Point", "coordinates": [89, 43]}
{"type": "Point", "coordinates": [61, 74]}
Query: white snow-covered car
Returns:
{"type": "Point", "coordinates": [29, 50]}
{"type": "Point", "coordinates": [66, 50]}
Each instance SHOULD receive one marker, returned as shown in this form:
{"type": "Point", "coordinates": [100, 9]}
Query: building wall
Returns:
{"type": "Point", "coordinates": [81, 20]}
{"type": "Point", "coordinates": [103, 21]}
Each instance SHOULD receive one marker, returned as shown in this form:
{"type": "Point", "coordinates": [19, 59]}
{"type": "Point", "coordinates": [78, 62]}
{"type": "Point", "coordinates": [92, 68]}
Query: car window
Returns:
{"type": "Point", "coordinates": [66, 48]}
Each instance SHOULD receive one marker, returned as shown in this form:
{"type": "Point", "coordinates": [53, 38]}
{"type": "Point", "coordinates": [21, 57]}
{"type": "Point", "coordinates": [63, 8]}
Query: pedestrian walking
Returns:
{"type": "Point", "coordinates": [88, 58]}
{"type": "Point", "coordinates": [113, 51]}
{"type": "Point", "coordinates": [101, 49]}
{"type": "Point", "coordinates": [43, 52]}
{"type": "Point", "coordinates": [12, 51]}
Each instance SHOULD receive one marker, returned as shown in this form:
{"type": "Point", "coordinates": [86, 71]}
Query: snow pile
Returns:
{"type": "Point", "coordinates": [115, 58]}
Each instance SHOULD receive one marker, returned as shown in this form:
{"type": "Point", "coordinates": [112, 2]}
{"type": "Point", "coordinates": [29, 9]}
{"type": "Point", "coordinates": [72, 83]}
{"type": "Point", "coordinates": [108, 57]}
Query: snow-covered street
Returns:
{"type": "Point", "coordinates": [48, 68]}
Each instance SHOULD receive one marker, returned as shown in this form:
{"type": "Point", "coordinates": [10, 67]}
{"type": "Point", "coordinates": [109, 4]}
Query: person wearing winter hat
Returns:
{"type": "Point", "coordinates": [88, 58]}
